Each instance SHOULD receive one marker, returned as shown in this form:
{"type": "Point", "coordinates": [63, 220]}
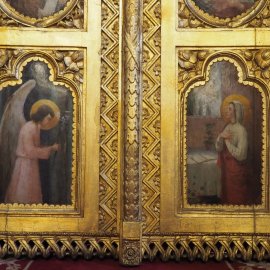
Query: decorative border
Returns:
{"type": "Point", "coordinates": [71, 17]}
{"type": "Point", "coordinates": [191, 16]}
{"type": "Point", "coordinates": [206, 247]}
{"type": "Point", "coordinates": [151, 115]}
{"type": "Point", "coordinates": [193, 70]}
{"type": "Point", "coordinates": [60, 245]}
{"type": "Point", "coordinates": [109, 117]}
{"type": "Point", "coordinates": [66, 68]}
{"type": "Point", "coordinates": [164, 247]}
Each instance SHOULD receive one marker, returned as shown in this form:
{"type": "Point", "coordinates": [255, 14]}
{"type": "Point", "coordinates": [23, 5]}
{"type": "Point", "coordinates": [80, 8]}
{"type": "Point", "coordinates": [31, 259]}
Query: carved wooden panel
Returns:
{"type": "Point", "coordinates": [130, 68]}
{"type": "Point", "coordinates": [108, 190]}
{"type": "Point", "coordinates": [151, 116]}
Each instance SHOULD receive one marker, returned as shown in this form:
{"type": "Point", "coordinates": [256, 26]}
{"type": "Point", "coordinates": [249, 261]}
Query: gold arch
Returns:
{"type": "Point", "coordinates": [202, 79]}
{"type": "Point", "coordinates": [57, 80]}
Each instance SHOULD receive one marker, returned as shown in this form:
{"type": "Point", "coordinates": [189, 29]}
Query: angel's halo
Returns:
{"type": "Point", "coordinates": [55, 120]}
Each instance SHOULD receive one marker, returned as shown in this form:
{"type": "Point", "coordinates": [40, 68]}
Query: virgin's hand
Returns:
{"type": "Point", "coordinates": [227, 135]}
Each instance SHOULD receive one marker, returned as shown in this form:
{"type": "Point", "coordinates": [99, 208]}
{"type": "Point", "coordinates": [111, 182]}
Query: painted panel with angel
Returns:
{"type": "Point", "coordinates": [36, 140]}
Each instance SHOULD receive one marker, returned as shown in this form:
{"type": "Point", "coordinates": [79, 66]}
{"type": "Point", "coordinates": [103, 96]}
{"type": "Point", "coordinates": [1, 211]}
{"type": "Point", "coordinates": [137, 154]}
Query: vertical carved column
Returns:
{"type": "Point", "coordinates": [130, 249]}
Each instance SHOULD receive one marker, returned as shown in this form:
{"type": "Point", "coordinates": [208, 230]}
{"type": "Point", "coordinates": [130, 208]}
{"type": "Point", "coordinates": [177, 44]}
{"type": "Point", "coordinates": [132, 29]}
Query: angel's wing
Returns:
{"type": "Point", "coordinates": [11, 123]}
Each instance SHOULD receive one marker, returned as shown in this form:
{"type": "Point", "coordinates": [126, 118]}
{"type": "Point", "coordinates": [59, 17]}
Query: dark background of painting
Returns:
{"type": "Point", "coordinates": [226, 77]}
{"type": "Point", "coordinates": [224, 8]}
{"type": "Point", "coordinates": [55, 173]}
{"type": "Point", "coordinates": [30, 7]}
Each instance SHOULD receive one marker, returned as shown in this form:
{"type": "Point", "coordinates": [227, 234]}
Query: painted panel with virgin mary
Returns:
{"type": "Point", "coordinates": [224, 140]}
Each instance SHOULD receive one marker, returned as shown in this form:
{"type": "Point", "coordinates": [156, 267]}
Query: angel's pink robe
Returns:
{"type": "Point", "coordinates": [25, 186]}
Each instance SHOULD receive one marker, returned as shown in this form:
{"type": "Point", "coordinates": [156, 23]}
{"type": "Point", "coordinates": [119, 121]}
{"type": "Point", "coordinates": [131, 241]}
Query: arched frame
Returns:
{"type": "Point", "coordinates": [201, 79]}
{"type": "Point", "coordinates": [17, 61]}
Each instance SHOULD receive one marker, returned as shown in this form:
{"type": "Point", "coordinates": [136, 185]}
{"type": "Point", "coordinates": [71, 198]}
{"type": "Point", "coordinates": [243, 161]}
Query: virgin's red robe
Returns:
{"type": "Point", "coordinates": [234, 179]}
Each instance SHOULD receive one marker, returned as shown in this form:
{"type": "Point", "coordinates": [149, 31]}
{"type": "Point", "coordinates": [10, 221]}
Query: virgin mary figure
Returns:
{"type": "Point", "coordinates": [232, 145]}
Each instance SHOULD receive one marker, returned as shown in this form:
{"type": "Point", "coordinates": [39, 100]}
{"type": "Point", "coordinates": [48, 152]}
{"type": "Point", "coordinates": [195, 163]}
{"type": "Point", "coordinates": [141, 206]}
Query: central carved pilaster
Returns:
{"type": "Point", "coordinates": [132, 79]}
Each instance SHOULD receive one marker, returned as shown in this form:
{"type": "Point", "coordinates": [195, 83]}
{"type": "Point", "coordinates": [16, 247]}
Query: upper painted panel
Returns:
{"type": "Point", "coordinates": [225, 8]}
{"type": "Point", "coordinates": [223, 13]}
{"type": "Point", "coordinates": [42, 13]}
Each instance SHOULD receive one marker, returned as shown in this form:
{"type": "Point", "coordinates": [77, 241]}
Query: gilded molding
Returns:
{"type": "Point", "coordinates": [206, 247]}
{"type": "Point", "coordinates": [131, 251]}
{"type": "Point", "coordinates": [151, 115]}
{"type": "Point", "coordinates": [58, 245]}
{"type": "Point", "coordinates": [109, 117]}
{"type": "Point", "coordinates": [191, 16]}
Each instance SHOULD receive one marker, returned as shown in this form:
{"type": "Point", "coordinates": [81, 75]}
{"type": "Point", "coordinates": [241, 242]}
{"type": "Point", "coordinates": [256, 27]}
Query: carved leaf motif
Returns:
{"type": "Point", "coordinates": [3, 57]}
{"type": "Point", "coordinates": [262, 58]}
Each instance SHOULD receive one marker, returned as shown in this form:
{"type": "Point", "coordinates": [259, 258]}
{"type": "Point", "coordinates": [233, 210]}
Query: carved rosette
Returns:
{"type": "Point", "coordinates": [71, 17]}
{"type": "Point", "coordinates": [191, 16]}
{"type": "Point", "coordinates": [131, 252]}
{"type": "Point", "coordinates": [151, 116]}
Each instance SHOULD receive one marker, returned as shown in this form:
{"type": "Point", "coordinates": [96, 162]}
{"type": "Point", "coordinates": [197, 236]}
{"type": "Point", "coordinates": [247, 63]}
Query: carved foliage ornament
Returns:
{"type": "Point", "coordinates": [131, 252]}
{"type": "Point", "coordinates": [191, 15]}
{"type": "Point", "coordinates": [67, 14]}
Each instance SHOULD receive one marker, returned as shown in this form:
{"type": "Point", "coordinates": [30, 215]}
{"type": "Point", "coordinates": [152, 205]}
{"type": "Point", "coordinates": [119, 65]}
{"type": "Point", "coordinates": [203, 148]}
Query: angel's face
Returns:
{"type": "Point", "coordinates": [45, 121]}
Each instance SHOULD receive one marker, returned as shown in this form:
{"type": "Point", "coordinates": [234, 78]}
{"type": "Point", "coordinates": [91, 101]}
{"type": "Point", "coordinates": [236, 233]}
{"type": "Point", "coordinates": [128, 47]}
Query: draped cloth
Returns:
{"type": "Point", "coordinates": [234, 175]}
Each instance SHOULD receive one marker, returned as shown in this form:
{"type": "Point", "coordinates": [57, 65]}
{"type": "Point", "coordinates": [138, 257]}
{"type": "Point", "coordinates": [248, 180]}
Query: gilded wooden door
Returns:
{"type": "Point", "coordinates": [134, 129]}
